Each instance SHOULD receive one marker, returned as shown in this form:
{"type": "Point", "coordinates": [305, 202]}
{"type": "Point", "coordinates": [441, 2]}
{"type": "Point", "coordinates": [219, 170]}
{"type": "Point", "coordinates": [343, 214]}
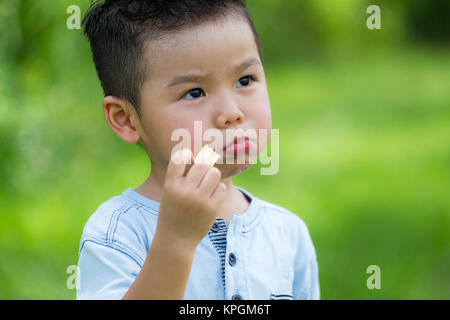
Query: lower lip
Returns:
{"type": "Point", "coordinates": [238, 148]}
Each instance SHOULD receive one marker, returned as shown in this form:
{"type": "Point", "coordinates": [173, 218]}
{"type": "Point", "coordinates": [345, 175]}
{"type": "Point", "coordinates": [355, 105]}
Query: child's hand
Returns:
{"type": "Point", "coordinates": [189, 204]}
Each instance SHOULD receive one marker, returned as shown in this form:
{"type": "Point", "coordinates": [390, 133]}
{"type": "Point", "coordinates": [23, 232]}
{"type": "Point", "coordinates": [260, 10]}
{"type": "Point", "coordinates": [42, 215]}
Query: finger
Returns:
{"type": "Point", "coordinates": [218, 195]}
{"type": "Point", "coordinates": [177, 163]}
{"type": "Point", "coordinates": [187, 168]}
{"type": "Point", "coordinates": [196, 173]}
{"type": "Point", "coordinates": [210, 181]}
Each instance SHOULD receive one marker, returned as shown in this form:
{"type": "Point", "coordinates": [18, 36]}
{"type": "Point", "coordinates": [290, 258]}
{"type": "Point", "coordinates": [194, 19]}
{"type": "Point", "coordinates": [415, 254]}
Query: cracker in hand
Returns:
{"type": "Point", "coordinates": [207, 156]}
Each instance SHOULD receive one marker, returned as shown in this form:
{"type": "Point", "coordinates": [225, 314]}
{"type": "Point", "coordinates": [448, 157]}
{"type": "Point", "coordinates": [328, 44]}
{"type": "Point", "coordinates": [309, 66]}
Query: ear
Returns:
{"type": "Point", "coordinates": [120, 117]}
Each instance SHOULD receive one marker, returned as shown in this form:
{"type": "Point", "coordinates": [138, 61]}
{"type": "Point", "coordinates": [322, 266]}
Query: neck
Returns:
{"type": "Point", "coordinates": [152, 187]}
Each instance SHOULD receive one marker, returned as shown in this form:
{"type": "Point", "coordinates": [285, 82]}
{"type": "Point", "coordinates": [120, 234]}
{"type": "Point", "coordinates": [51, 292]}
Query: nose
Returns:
{"type": "Point", "coordinates": [229, 114]}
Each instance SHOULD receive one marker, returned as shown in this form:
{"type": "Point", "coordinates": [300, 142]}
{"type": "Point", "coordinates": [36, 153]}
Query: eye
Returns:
{"type": "Point", "coordinates": [194, 93]}
{"type": "Point", "coordinates": [245, 81]}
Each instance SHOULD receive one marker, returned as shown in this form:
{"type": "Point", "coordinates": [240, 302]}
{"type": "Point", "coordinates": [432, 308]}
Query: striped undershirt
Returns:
{"type": "Point", "coordinates": [218, 236]}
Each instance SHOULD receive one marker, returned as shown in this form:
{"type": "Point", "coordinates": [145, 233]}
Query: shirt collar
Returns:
{"type": "Point", "coordinates": [248, 219]}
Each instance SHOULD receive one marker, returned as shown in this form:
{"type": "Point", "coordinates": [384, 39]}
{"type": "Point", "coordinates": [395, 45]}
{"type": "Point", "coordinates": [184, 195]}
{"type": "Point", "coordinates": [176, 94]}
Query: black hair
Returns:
{"type": "Point", "coordinates": [118, 31]}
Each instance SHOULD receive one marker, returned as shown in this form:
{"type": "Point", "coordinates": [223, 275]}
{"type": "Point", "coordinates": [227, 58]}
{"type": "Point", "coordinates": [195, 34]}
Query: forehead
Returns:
{"type": "Point", "coordinates": [213, 46]}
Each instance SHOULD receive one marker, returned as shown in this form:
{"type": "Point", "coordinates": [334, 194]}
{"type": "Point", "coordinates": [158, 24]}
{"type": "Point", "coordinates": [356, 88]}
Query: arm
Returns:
{"type": "Point", "coordinates": [188, 209]}
{"type": "Point", "coordinates": [165, 272]}
{"type": "Point", "coordinates": [306, 277]}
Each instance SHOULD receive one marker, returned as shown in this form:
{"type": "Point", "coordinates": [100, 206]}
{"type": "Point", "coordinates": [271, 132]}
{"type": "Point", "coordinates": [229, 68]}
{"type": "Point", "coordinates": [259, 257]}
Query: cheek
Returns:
{"type": "Point", "coordinates": [178, 134]}
{"type": "Point", "coordinates": [160, 132]}
{"type": "Point", "coordinates": [261, 120]}
{"type": "Point", "coordinates": [259, 112]}
{"type": "Point", "coordinates": [264, 135]}
{"type": "Point", "coordinates": [181, 131]}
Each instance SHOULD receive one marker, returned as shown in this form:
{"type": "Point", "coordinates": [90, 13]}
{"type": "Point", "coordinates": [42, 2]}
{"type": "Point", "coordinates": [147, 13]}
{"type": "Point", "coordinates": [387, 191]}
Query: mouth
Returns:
{"type": "Point", "coordinates": [239, 146]}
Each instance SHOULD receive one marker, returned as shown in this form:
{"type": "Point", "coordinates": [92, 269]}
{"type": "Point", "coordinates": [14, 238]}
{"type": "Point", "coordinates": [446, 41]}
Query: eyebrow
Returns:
{"type": "Point", "coordinates": [197, 78]}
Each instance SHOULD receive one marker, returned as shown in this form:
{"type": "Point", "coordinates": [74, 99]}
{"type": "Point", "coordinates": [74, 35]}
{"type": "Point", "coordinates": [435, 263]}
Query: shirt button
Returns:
{"type": "Point", "coordinates": [215, 227]}
{"type": "Point", "coordinates": [232, 259]}
{"type": "Point", "coordinates": [236, 297]}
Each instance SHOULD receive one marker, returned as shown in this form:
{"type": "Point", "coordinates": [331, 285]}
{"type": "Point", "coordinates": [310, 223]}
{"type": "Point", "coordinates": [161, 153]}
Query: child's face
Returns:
{"type": "Point", "coordinates": [222, 97]}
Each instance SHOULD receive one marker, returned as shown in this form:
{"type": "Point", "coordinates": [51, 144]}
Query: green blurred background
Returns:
{"type": "Point", "coordinates": [364, 119]}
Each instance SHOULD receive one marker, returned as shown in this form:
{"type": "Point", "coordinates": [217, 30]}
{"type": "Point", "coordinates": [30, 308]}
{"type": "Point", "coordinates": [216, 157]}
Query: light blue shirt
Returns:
{"type": "Point", "coordinates": [264, 253]}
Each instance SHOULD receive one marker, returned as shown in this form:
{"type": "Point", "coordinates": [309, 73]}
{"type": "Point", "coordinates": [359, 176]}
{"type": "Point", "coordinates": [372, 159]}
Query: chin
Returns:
{"type": "Point", "coordinates": [231, 169]}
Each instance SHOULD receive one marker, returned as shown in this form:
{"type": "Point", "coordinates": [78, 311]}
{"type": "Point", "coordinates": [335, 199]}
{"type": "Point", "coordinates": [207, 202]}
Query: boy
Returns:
{"type": "Point", "coordinates": [190, 234]}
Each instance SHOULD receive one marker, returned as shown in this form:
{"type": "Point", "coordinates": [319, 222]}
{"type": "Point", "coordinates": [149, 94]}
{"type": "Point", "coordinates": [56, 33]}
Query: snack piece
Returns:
{"type": "Point", "coordinates": [207, 156]}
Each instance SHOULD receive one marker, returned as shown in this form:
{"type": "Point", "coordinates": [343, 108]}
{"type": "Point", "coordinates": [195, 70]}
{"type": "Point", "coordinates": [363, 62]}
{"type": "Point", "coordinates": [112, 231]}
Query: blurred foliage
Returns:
{"type": "Point", "coordinates": [364, 125]}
